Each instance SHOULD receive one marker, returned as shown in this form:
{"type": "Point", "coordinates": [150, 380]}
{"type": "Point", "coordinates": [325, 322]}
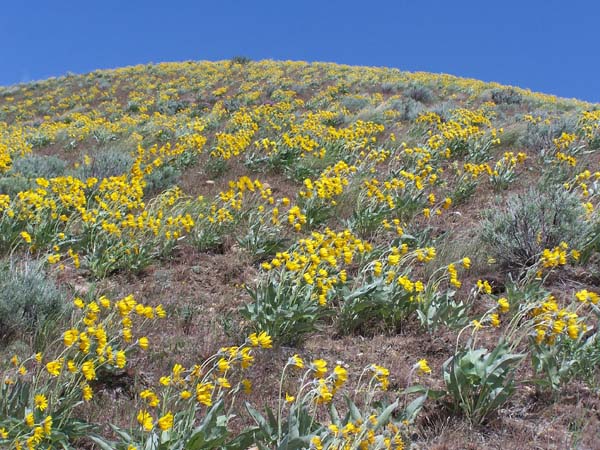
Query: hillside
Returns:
{"type": "Point", "coordinates": [383, 259]}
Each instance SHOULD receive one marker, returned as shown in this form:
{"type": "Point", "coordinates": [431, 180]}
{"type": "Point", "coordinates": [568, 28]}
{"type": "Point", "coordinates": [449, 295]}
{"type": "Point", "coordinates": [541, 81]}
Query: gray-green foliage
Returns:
{"type": "Point", "coordinates": [107, 163]}
{"type": "Point", "coordinates": [29, 299]}
{"type": "Point", "coordinates": [170, 107]}
{"type": "Point", "coordinates": [517, 233]}
{"type": "Point", "coordinates": [555, 364]}
{"type": "Point", "coordinates": [374, 306]}
{"type": "Point", "coordinates": [408, 108]}
{"type": "Point", "coordinates": [39, 138]}
{"type": "Point", "coordinates": [34, 166]}
{"type": "Point", "coordinates": [586, 355]}
{"type": "Point", "coordinates": [441, 309]}
{"type": "Point", "coordinates": [445, 109]}
{"type": "Point", "coordinates": [506, 96]}
{"type": "Point", "coordinates": [240, 60]}
{"type": "Point", "coordinates": [24, 171]}
{"type": "Point", "coordinates": [284, 310]}
{"type": "Point", "coordinates": [161, 179]}
{"type": "Point", "coordinates": [261, 240]}
{"type": "Point", "coordinates": [421, 94]}
{"type": "Point", "coordinates": [540, 136]}
{"type": "Point", "coordinates": [215, 167]}
{"type": "Point", "coordinates": [480, 381]}
{"type": "Point", "coordinates": [15, 184]}
{"type": "Point", "coordinates": [353, 103]}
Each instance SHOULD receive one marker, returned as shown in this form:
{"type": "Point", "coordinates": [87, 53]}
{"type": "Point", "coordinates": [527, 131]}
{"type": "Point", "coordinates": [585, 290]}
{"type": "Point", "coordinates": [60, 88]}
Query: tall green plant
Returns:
{"type": "Point", "coordinates": [480, 381]}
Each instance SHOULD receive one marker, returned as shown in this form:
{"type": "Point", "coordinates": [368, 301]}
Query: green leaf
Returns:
{"type": "Point", "coordinates": [103, 444]}
{"type": "Point", "coordinates": [334, 415]}
{"type": "Point", "coordinates": [121, 433]}
{"type": "Point", "coordinates": [209, 434]}
{"type": "Point", "coordinates": [296, 443]}
{"type": "Point", "coordinates": [353, 410]}
{"type": "Point", "coordinates": [414, 407]}
{"type": "Point", "coordinates": [260, 420]}
{"type": "Point", "coordinates": [384, 417]}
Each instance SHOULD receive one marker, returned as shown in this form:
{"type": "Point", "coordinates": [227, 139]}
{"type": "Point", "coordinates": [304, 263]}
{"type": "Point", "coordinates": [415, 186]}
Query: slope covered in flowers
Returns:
{"type": "Point", "coordinates": [393, 258]}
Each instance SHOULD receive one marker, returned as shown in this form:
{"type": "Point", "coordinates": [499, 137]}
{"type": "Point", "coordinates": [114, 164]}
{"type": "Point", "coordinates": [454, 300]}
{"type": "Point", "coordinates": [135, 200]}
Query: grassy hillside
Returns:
{"type": "Point", "coordinates": [288, 255]}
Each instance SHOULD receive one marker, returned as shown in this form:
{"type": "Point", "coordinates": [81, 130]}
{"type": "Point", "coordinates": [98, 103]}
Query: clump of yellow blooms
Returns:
{"type": "Point", "coordinates": [586, 296]}
{"type": "Point", "coordinates": [113, 210]}
{"type": "Point", "coordinates": [555, 257]}
{"type": "Point", "coordinates": [186, 390]}
{"type": "Point", "coordinates": [5, 159]}
{"type": "Point", "coordinates": [564, 141]}
{"type": "Point", "coordinates": [562, 157]}
{"type": "Point", "coordinates": [233, 144]}
{"type": "Point", "coordinates": [465, 128]}
{"type": "Point", "coordinates": [589, 124]}
{"type": "Point", "coordinates": [319, 386]}
{"type": "Point", "coordinates": [330, 183]}
{"type": "Point", "coordinates": [13, 141]}
{"type": "Point", "coordinates": [550, 322]}
{"type": "Point", "coordinates": [100, 340]}
{"type": "Point", "coordinates": [318, 261]}
{"type": "Point", "coordinates": [509, 161]}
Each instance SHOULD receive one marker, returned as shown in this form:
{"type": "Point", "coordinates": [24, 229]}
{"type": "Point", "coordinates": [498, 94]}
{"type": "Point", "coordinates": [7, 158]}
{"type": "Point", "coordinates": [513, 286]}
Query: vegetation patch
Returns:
{"type": "Point", "coordinates": [256, 254]}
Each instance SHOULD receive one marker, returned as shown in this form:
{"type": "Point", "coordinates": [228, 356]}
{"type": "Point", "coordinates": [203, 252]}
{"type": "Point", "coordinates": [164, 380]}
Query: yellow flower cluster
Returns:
{"type": "Point", "coordinates": [318, 260]}
{"type": "Point", "coordinates": [562, 157]}
{"type": "Point", "coordinates": [355, 433]}
{"type": "Point", "coordinates": [555, 257]}
{"type": "Point", "coordinates": [13, 141]}
{"type": "Point", "coordinates": [5, 159]}
{"type": "Point", "coordinates": [112, 207]}
{"type": "Point", "coordinates": [589, 124]}
{"type": "Point", "coordinates": [453, 273]}
{"type": "Point", "coordinates": [100, 338]}
{"type": "Point", "coordinates": [201, 384]}
{"type": "Point", "coordinates": [564, 141]}
{"type": "Point", "coordinates": [509, 159]}
{"type": "Point", "coordinates": [585, 296]}
{"type": "Point", "coordinates": [550, 322]}
{"type": "Point", "coordinates": [233, 144]}
{"type": "Point", "coordinates": [455, 134]}
{"type": "Point", "coordinates": [325, 188]}
{"type": "Point", "coordinates": [583, 181]}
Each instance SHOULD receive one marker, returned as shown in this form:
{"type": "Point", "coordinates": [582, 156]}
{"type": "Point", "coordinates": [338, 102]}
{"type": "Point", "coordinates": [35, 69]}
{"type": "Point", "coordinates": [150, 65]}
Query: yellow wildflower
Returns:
{"type": "Point", "coordinates": [41, 402]}
{"type": "Point", "coordinates": [143, 343]}
{"type": "Point", "coordinates": [145, 420]}
{"type": "Point", "coordinates": [423, 366]}
{"type": "Point", "coordinates": [261, 340]}
{"type": "Point", "coordinates": [87, 392]}
{"type": "Point", "coordinates": [503, 305]}
{"type": "Point", "coordinates": [204, 393]}
{"type": "Point", "coordinates": [319, 366]}
{"type": "Point", "coordinates": [53, 368]}
{"type": "Point", "coordinates": [166, 422]}
{"type": "Point", "coordinates": [296, 361]}
{"type": "Point", "coordinates": [26, 236]}
{"type": "Point", "coordinates": [88, 370]}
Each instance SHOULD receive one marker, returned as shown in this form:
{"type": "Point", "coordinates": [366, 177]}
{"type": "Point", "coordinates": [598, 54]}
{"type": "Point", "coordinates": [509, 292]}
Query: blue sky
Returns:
{"type": "Point", "coordinates": [548, 46]}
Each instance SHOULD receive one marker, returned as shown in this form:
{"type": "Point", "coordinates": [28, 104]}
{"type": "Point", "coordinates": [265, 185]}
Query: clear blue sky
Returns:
{"type": "Point", "coordinates": [546, 45]}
